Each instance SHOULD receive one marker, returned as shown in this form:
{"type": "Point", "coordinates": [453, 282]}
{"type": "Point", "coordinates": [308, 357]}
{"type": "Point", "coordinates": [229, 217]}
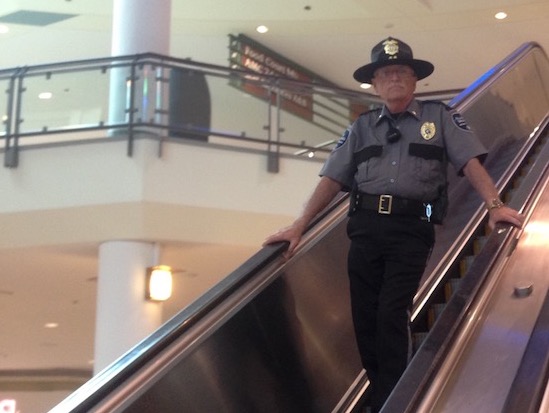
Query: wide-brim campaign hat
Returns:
{"type": "Point", "coordinates": [392, 51]}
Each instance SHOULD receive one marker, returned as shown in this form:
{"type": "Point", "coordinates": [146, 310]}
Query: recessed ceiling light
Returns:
{"type": "Point", "coordinates": [365, 86]}
{"type": "Point", "coordinates": [51, 325]}
{"type": "Point", "coordinates": [262, 29]}
{"type": "Point", "coordinates": [501, 15]}
{"type": "Point", "coordinates": [45, 95]}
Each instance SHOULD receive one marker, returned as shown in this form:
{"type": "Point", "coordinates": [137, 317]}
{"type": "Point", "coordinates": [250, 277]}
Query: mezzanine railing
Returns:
{"type": "Point", "coordinates": [167, 98]}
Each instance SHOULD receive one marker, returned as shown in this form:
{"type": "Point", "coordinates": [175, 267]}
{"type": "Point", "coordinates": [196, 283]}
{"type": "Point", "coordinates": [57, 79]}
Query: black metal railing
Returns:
{"type": "Point", "coordinates": [171, 98]}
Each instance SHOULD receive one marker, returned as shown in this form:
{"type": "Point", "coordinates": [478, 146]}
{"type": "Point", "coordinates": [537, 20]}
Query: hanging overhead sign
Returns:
{"type": "Point", "coordinates": [246, 53]}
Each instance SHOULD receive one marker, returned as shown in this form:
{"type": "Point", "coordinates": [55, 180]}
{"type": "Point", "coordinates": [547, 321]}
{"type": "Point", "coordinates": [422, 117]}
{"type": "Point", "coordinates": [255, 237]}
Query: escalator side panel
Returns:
{"type": "Point", "coordinates": [529, 385]}
{"type": "Point", "coordinates": [290, 349]}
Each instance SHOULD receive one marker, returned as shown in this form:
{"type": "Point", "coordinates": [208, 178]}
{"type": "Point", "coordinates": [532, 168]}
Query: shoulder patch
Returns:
{"type": "Point", "coordinates": [460, 121]}
{"type": "Point", "coordinates": [343, 138]}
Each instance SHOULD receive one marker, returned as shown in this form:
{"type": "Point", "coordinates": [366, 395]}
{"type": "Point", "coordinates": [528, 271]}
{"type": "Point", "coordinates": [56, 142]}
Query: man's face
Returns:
{"type": "Point", "coordinates": [395, 83]}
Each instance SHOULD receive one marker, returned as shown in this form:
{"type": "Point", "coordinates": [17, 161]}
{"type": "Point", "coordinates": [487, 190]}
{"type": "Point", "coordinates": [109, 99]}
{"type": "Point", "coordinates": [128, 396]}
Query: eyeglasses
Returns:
{"type": "Point", "coordinates": [388, 72]}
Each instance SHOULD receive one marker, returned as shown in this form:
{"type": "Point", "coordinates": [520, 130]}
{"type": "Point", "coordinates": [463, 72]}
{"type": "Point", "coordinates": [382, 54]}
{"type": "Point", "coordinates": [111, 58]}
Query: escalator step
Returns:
{"type": "Point", "coordinates": [465, 263]}
{"type": "Point", "coordinates": [478, 244]}
{"type": "Point", "coordinates": [418, 339]}
{"type": "Point", "coordinates": [434, 311]}
{"type": "Point", "coordinates": [450, 287]}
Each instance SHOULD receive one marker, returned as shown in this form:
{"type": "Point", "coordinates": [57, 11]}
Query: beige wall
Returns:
{"type": "Point", "coordinates": [195, 192]}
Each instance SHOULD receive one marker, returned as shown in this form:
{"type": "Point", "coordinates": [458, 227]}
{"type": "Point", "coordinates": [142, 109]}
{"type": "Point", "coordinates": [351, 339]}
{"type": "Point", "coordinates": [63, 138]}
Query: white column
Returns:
{"type": "Point", "coordinates": [139, 26]}
{"type": "Point", "coordinates": [123, 317]}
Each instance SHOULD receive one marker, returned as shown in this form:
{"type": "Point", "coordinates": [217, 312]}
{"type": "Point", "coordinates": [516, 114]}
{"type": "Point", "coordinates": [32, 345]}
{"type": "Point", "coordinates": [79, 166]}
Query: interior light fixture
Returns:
{"type": "Point", "coordinates": [501, 15]}
{"type": "Point", "coordinates": [159, 283]}
{"type": "Point", "coordinates": [8, 406]}
{"type": "Point", "coordinates": [45, 95]}
{"type": "Point", "coordinates": [365, 86]}
{"type": "Point", "coordinates": [262, 29]}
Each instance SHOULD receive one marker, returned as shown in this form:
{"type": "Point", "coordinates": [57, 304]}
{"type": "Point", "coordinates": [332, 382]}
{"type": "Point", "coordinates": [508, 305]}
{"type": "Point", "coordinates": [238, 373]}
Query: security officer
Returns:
{"type": "Point", "coordinates": [394, 161]}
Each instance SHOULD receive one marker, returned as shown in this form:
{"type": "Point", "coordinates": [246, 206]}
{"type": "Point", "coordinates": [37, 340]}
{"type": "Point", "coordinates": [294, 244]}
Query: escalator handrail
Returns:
{"type": "Point", "coordinates": [470, 94]}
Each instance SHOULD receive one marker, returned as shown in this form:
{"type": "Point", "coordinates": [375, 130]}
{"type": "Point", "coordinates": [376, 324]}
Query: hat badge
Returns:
{"type": "Point", "coordinates": [390, 46]}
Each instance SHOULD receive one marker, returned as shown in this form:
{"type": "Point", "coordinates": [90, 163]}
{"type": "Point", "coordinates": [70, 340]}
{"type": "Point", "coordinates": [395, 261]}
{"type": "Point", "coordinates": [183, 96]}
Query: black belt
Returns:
{"type": "Point", "coordinates": [389, 204]}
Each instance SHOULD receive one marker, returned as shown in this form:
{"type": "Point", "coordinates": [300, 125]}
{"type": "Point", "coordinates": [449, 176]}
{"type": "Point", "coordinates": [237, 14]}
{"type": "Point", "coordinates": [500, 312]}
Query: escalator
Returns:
{"type": "Point", "coordinates": [276, 336]}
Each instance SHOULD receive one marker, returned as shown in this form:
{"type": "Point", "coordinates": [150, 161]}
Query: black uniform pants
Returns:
{"type": "Point", "coordinates": [387, 257]}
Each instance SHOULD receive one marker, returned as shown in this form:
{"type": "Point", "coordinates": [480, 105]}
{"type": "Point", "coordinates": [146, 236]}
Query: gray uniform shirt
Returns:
{"type": "Point", "coordinates": [415, 166]}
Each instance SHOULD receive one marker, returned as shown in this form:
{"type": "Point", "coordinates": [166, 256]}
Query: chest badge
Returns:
{"type": "Point", "coordinates": [428, 130]}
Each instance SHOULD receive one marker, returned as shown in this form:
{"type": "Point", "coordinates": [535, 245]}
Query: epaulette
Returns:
{"type": "Point", "coordinates": [371, 111]}
{"type": "Point", "coordinates": [437, 102]}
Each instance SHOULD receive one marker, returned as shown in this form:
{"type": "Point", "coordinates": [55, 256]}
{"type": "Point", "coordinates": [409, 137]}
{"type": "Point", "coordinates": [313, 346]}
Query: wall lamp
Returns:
{"type": "Point", "coordinates": [159, 283]}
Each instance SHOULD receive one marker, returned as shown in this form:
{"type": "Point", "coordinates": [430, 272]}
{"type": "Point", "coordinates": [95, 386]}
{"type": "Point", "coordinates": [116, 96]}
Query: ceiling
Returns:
{"type": "Point", "coordinates": [461, 38]}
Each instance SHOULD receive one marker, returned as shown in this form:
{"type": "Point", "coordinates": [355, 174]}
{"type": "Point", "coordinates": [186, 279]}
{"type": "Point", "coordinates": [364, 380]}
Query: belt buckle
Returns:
{"type": "Point", "coordinates": [385, 205]}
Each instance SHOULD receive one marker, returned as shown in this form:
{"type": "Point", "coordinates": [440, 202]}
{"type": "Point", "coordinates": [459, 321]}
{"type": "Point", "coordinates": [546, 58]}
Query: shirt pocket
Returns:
{"type": "Point", "coordinates": [367, 160]}
{"type": "Point", "coordinates": [428, 162]}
